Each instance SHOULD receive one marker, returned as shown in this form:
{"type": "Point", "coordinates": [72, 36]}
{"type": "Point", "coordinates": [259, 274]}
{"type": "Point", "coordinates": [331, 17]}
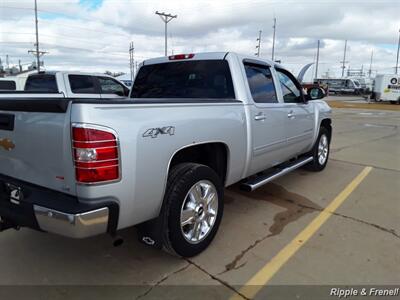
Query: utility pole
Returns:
{"type": "Point", "coordinates": [36, 52]}
{"type": "Point", "coordinates": [166, 18]}
{"type": "Point", "coordinates": [398, 51]}
{"type": "Point", "coordinates": [370, 64]}
{"type": "Point", "coordinates": [132, 60]}
{"type": "Point", "coordinates": [259, 44]}
{"type": "Point", "coordinates": [344, 58]}
{"type": "Point", "coordinates": [273, 40]}
{"type": "Point", "coordinates": [7, 62]}
{"type": "Point", "coordinates": [317, 62]}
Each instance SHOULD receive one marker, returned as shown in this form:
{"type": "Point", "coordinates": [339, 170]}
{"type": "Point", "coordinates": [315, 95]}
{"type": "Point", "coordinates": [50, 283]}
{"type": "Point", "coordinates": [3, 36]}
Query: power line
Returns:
{"type": "Point", "coordinates": [344, 58]}
{"type": "Point", "coordinates": [317, 61]}
{"type": "Point", "coordinates": [65, 37]}
{"type": "Point", "coordinates": [132, 60]}
{"type": "Point", "coordinates": [273, 40]}
{"type": "Point", "coordinates": [259, 44]}
{"type": "Point", "coordinates": [37, 52]}
{"type": "Point", "coordinates": [370, 64]}
{"type": "Point", "coordinates": [398, 51]}
{"type": "Point", "coordinates": [166, 18]}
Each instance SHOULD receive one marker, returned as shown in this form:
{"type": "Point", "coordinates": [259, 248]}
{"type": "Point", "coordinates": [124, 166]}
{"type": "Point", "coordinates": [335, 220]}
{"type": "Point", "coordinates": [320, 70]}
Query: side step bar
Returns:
{"type": "Point", "coordinates": [257, 182]}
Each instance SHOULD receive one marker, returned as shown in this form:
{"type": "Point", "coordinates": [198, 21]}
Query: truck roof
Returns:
{"type": "Point", "coordinates": [210, 56]}
{"type": "Point", "coordinates": [53, 72]}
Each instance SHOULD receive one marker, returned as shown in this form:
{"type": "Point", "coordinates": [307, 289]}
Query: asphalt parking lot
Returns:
{"type": "Point", "coordinates": [357, 244]}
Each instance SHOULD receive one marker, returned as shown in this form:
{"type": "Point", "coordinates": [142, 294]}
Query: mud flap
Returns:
{"type": "Point", "coordinates": [151, 232]}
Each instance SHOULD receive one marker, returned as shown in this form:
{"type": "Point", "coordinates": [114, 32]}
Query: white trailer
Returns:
{"type": "Point", "coordinates": [387, 88]}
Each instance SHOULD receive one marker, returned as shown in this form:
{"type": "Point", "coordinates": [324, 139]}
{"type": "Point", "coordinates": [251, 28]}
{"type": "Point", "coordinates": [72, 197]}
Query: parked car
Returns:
{"type": "Point", "coordinates": [341, 85]}
{"type": "Point", "coordinates": [70, 84]}
{"type": "Point", "coordinates": [386, 88]}
{"type": "Point", "coordinates": [194, 124]}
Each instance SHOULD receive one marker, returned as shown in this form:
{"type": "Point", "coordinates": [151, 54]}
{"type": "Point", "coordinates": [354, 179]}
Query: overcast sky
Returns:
{"type": "Point", "coordinates": [94, 35]}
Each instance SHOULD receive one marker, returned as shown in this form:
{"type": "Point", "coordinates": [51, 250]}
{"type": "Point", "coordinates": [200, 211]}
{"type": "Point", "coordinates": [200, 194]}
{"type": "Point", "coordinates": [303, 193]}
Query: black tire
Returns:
{"type": "Point", "coordinates": [315, 164]}
{"type": "Point", "coordinates": [181, 179]}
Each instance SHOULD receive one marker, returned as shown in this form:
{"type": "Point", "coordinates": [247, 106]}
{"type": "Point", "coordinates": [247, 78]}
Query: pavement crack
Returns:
{"type": "Point", "coordinates": [292, 213]}
{"type": "Point", "coordinates": [363, 165]}
{"type": "Point", "coordinates": [233, 264]}
{"type": "Point", "coordinates": [379, 227]}
{"type": "Point", "coordinates": [224, 283]}
{"type": "Point", "coordinates": [161, 281]}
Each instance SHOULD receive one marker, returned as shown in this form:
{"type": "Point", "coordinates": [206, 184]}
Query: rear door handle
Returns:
{"type": "Point", "coordinates": [291, 115]}
{"type": "Point", "coordinates": [259, 117]}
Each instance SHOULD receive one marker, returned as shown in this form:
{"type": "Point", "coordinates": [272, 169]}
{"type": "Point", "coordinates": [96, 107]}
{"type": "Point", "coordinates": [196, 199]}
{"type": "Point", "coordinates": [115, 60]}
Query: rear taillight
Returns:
{"type": "Point", "coordinates": [181, 56]}
{"type": "Point", "coordinates": [96, 154]}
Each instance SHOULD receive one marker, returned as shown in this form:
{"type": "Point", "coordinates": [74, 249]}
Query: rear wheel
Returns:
{"type": "Point", "coordinates": [193, 209]}
{"type": "Point", "coordinates": [320, 151]}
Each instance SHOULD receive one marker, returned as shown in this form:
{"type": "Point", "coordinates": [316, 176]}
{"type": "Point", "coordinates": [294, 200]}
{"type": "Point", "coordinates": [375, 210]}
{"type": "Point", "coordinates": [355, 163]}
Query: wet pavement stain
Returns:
{"type": "Point", "coordinates": [296, 206]}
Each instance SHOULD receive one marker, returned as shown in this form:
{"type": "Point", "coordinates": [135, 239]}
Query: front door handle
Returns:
{"type": "Point", "coordinates": [291, 115]}
{"type": "Point", "coordinates": [259, 117]}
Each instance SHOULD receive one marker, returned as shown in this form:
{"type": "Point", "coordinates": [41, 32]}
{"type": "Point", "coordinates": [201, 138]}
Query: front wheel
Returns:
{"type": "Point", "coordinates": [320, 151]}
{"type": "Point", "coordinates": [193, 209]}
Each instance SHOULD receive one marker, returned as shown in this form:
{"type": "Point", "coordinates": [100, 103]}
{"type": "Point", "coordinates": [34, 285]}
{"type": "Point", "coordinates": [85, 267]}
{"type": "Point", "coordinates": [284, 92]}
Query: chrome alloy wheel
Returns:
{"type": "Point", "coordinates": [323, 149]}
{"type": "Point", "coordinates": [199, 211]}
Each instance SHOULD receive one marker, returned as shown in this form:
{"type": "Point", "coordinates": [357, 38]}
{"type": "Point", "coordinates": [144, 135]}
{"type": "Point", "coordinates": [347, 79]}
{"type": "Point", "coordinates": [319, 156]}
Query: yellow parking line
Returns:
{"type": "Point", "coordinates": [259, 280]}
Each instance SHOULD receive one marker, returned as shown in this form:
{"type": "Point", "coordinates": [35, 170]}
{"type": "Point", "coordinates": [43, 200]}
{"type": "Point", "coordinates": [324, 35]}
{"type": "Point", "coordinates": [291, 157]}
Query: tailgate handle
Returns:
{"type": "Point", "coordinates": [7, 122]}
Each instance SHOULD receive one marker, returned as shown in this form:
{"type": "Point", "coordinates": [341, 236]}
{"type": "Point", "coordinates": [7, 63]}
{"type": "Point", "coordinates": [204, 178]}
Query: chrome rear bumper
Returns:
{"type": "Point", "coordinates": [80, 225]}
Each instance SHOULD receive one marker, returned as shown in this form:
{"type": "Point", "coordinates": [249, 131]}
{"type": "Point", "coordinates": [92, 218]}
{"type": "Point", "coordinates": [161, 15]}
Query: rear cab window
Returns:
{"type": "Point", "coordinates": [41, 83]}
{"type": "Point", "coordinates": [7, 85]}
{"type": "Point", "coordinates": [206, 79]}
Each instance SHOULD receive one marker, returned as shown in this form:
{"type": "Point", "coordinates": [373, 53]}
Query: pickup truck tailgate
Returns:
{"type": "Point", "coordinates": [35, 144]}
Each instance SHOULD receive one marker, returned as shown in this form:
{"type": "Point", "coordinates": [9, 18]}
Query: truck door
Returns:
{"type": "Point", "coordinates": [299, 114]}
{"type": "Point", "coordinates": [268, 118]}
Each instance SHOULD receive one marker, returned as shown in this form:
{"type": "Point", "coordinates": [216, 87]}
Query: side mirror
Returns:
{"type": "Point", "coordinates": [315, 93]}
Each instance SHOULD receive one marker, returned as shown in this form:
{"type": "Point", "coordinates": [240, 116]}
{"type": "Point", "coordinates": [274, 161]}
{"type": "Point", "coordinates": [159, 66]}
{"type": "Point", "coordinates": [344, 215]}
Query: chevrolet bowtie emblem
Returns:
{"type": "Point", "coordinates": [7, 144]}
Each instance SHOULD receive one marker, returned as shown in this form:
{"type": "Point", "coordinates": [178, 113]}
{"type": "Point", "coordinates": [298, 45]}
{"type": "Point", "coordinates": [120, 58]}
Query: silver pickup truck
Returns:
{"type": "Point", "coordinates": [160, 159]}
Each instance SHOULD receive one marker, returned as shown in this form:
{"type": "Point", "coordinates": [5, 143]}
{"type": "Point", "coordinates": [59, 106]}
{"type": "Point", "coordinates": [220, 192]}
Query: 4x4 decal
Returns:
{"type": "Point", "coordinates": [154, 132]}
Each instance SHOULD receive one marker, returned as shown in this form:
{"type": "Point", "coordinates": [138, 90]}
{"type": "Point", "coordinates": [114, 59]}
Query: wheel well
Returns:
{"type": "Point", "coordinates": [327, 124]}
{"type": "Point", "coordinates": [213, 155]}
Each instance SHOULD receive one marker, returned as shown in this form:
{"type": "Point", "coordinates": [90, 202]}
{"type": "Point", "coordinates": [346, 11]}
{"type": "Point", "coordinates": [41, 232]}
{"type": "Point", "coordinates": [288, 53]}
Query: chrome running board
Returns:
{"type": "Point", "coordinates": [255, 183]}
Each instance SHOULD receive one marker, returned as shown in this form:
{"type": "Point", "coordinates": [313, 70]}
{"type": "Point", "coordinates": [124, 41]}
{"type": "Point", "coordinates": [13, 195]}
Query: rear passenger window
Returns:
{"type": "Point", "coordinates": [82, 84]}
{"type": "Point", "coordinates": [41, 83]}
{"type": "Point", "coordinates": [261, 83]}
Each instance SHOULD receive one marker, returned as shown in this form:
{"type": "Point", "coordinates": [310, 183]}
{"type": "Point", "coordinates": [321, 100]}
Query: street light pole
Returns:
{"type": "Point", "coordinates": [344, 58]}
{"type": "Point", "coordinates": [398, 50]}
{"type": "Point", "coordinates": [166, 18]}
{"type": "Point", "coordinates": [317, 62]}
{"type": "Point", "coordinates": [273, 40]}
{"type": "Point", "coordinates": [37, 39]}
